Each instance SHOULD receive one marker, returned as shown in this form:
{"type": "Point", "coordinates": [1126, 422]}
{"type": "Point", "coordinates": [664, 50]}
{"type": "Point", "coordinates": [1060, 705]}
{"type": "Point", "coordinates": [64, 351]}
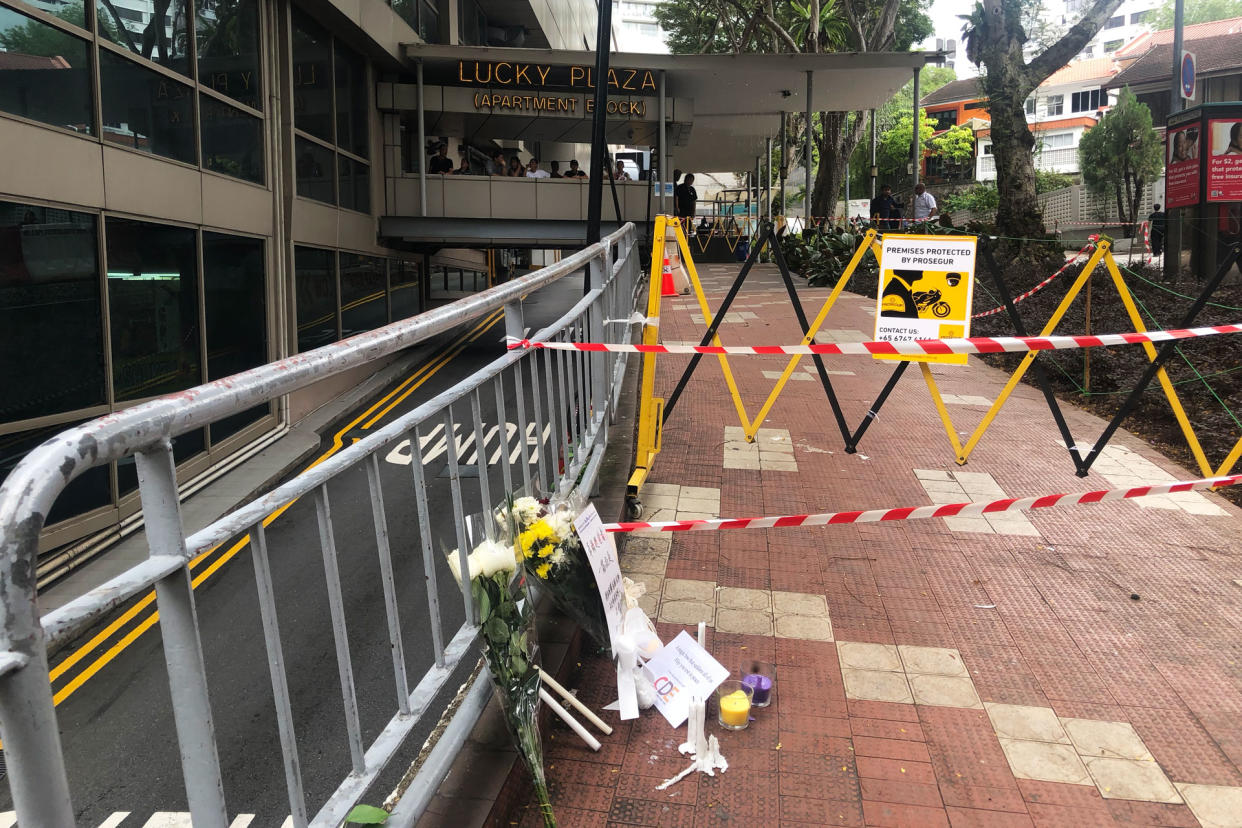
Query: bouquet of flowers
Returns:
{"type": "Point", "coordinates": [551, 552]}
{"type": "Point", "coordinates": [507, 619]}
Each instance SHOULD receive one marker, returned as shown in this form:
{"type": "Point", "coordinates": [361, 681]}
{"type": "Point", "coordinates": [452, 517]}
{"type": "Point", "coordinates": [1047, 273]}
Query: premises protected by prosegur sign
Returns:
{"type": "Point", "coordinates": [925, 291]}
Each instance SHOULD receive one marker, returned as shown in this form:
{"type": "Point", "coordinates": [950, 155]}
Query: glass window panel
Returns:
{"type": "Point", "coordinates": [405, 296]}
{"type": "Point", "coordinates": [428, 21]}
{"type": "Point", "coordinates": [153, 308]}
{"type": "Point", "coordinates": [314, 171]}
{"type": "Point", "coordinates": [312, 78]}
{"type": "Point", "coordinates": [44, 73]}
{"type": "Point", "coordinates": [232, 140]}
{"type": "Point", "coordinates": [316, 296]}
{"type": "Point", "coordinates": [160, 33]}
{"type": "Point", "coordinates": [235, 300]}
{"type": "Point", "coordinates": [227, 32]}
{"type": "Point", "coordinates": [145, 110]}
{"type": "Point", "coordinates": [351, 102]}
{"type": "Point", "coordinates": [355, 189]}
{"type": "Point", "coordinates": [49, 295]}
{"type": "Point", "coordinates": [408, 10]}
{"type": "Point", "coordinates": [364, 300]}
{"type": "Point", "coordinates": [89, 491]}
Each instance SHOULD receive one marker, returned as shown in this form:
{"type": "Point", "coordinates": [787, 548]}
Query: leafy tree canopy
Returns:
{"type": "Point", "coordinates": [1121, 154]}
{"type": "Point", "coordinates": [1196, 11]}
{"type": "Point", "coordinates": [723, 26]}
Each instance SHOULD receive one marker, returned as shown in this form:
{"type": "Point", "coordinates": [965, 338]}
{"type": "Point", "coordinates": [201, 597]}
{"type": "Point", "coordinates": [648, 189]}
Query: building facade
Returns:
{"type": "Point", "coordinates": [194, 187]}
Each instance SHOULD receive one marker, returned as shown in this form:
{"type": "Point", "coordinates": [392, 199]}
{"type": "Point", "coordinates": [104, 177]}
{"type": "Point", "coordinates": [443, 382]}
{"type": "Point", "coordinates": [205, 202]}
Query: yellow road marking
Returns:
{"type": "Point", "coordinates": [413, 382]}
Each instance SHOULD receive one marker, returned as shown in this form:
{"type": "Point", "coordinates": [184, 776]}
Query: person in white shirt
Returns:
{"type": "Point", "coordinates": [924, 203]}
{"type": "Point", "coordinates": [533, 171]}
{"type": "Point", "coordinates": [619, 174]}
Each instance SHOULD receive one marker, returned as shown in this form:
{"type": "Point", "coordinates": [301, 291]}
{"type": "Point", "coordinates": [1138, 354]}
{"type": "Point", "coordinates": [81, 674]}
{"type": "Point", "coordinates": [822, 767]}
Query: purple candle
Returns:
{"type": "Point", "coordinates": [761, 685]}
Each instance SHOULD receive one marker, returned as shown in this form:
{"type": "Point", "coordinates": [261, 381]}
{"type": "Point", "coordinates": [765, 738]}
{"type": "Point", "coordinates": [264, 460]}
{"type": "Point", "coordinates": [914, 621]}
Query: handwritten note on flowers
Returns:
{"type": "Point", "coordinates": [601, 551]}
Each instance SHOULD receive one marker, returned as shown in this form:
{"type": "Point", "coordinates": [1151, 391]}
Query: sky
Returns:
{"type": "Point", "coordinates": [944, 15]}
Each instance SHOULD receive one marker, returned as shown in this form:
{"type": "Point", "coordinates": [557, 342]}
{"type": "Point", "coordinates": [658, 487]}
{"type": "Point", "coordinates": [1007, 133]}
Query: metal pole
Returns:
{"type": "Point", "coordinates": [916, 147]}
{"type": "Point", "coordinates": [768, 180]}
{"type": "Point", "coordinates": [595, 194]}
{"type": "Point", "coordinates": [183, 648]}
{"type": "Point", "coordinates": [873, 144]}
{"type": "Point", "coordinates": [663, 151]}
{"type": "Point", "coordinates": [806, 200]}
{"type": "Point", "coordinates": [784, 161]}
{"type": "Point", "coordinates": [422, 145]}
{"type": "Point", "coordinates": [1176, 102]}
{"type": "Point", "coordinates": [847, 191]}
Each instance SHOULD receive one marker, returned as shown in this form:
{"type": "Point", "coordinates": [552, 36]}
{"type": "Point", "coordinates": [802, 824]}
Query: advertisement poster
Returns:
{"type": "Point", "coordinates": [601, 551]}
{"type": "Point", "coordinates": [1181, 187]}
{"type": "Point", "coordinates": [1224, 167]}
{"type": "Point", "coordinates": [926, 286]}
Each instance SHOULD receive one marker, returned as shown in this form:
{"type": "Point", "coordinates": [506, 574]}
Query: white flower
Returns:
{"type": "Point", "coordinates": [557, 557]}
{"type": "Point", "coordinates": [562, 523]}
{"type": "Point", "coordinates": [527, 510]}
{"type": "Point", "coordinates": [492, 557]}
{"type": "Point", "coordinates": [488, 558]}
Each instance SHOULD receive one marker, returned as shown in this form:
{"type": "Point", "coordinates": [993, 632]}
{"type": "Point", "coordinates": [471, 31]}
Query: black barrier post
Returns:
{"type": "Point", "coordinates": [1163, 354]}
{"type": "Point", "coordinates": [766, 236]}
{"type": "Point", "coordinates": [851, 442]}
{"type": "Point", "coordinates": [1040, 377]}
{"type": "Point", "coordinates": [595, 190]}
{"type": "Point", "coordinates": [777, 253]}
{"type": "Point", "coordinates": [711, 331]}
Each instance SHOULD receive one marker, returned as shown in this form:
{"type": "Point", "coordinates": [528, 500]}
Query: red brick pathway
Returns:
{"type": "Point", "coordinates": [1041, 621]}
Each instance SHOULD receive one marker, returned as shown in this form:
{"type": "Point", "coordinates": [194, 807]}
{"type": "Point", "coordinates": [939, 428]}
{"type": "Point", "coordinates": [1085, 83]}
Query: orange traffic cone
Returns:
{"type": "Point", "coordinates": [666, 286]}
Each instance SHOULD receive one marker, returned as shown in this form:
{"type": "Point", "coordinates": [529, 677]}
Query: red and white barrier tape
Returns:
{"type": "Point", "coordinates": [1090, 244]}
{"type": "Point", "coordinates": [919, 512]}
{"type": "Point", "coordinates": [919, 347]}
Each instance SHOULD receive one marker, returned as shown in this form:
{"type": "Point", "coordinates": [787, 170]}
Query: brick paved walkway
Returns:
{"type": "Point", "coordinates": [975, 671]}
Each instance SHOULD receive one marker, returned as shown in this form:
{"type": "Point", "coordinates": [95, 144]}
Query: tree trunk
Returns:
{"type": "Point", "coordinates": [841, 135]}
{"type": "Point", "coordinates": [1013, 145]}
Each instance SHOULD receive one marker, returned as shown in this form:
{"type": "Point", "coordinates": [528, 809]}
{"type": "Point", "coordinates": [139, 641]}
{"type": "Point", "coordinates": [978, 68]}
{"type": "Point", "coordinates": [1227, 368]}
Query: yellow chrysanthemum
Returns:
{"type": "Point", "coordinates": [543, 569]}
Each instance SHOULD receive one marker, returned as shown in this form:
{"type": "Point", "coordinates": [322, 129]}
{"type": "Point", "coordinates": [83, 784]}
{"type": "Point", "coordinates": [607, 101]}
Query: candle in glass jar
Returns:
{"type": "Point", "coordinates": [762, 687]}
{"type": "Point", "coordinates": [735, 709]}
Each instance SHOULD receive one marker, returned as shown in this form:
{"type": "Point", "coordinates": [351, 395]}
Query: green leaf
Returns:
{"type": "Point", "coordinates": [367, 815]}
{"type": "Point", "coordinates": [496, 630]}
{"type": "Point", "coordinates": [485, 606]}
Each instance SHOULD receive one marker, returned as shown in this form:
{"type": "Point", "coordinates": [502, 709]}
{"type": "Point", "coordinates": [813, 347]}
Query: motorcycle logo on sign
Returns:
{"type": "Point", "coordinates": [925, 291]}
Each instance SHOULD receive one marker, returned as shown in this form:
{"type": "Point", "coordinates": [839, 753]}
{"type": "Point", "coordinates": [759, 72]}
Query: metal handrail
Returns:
{"type": "Point", "coordinates": [27, 716]}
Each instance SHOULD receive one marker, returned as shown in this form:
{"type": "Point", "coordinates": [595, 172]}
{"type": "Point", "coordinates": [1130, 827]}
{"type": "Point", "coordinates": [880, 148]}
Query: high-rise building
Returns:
{"type": "Point", "coordinates": [191, 188]}
{"type": "Point", "coordinates": [1131, 19]}
{"type": "Point", "coordinates": [635, 28]}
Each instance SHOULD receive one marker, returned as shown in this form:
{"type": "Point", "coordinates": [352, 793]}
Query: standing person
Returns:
{"type": "Point", "coordinates": [884, 209]}
{"type": "Point", "coordinates": [924, 203]}
{"type": "Point", "coordinates": [516, 170]}
{"type": "Point", "coordinates": [685, 198]}
{"type": "Point", "coordinates": [556, 169]}
{"type": "Point", "coordinates": [533, 171]}
{"type": "Point", "coordinates": [574, 172]}
{"type": "Point", "coordinates": [619, 174]}
{"type": "Point", "coordinates": [496, 163]}
{"type": "Point", "coordinates": [440, 162]}
{"type": "Point", "coordinates": [1157, 219]}
{"type": "Point", "coordinates": [463, 168]}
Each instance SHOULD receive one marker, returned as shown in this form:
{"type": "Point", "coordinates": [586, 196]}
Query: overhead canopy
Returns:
{"type": "Point", "coordinates": [736, 99]}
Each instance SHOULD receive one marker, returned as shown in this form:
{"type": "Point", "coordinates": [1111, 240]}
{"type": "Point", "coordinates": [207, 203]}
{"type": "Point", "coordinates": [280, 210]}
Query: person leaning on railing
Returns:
{"type": "Point", "coordinates": [574, 172]}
